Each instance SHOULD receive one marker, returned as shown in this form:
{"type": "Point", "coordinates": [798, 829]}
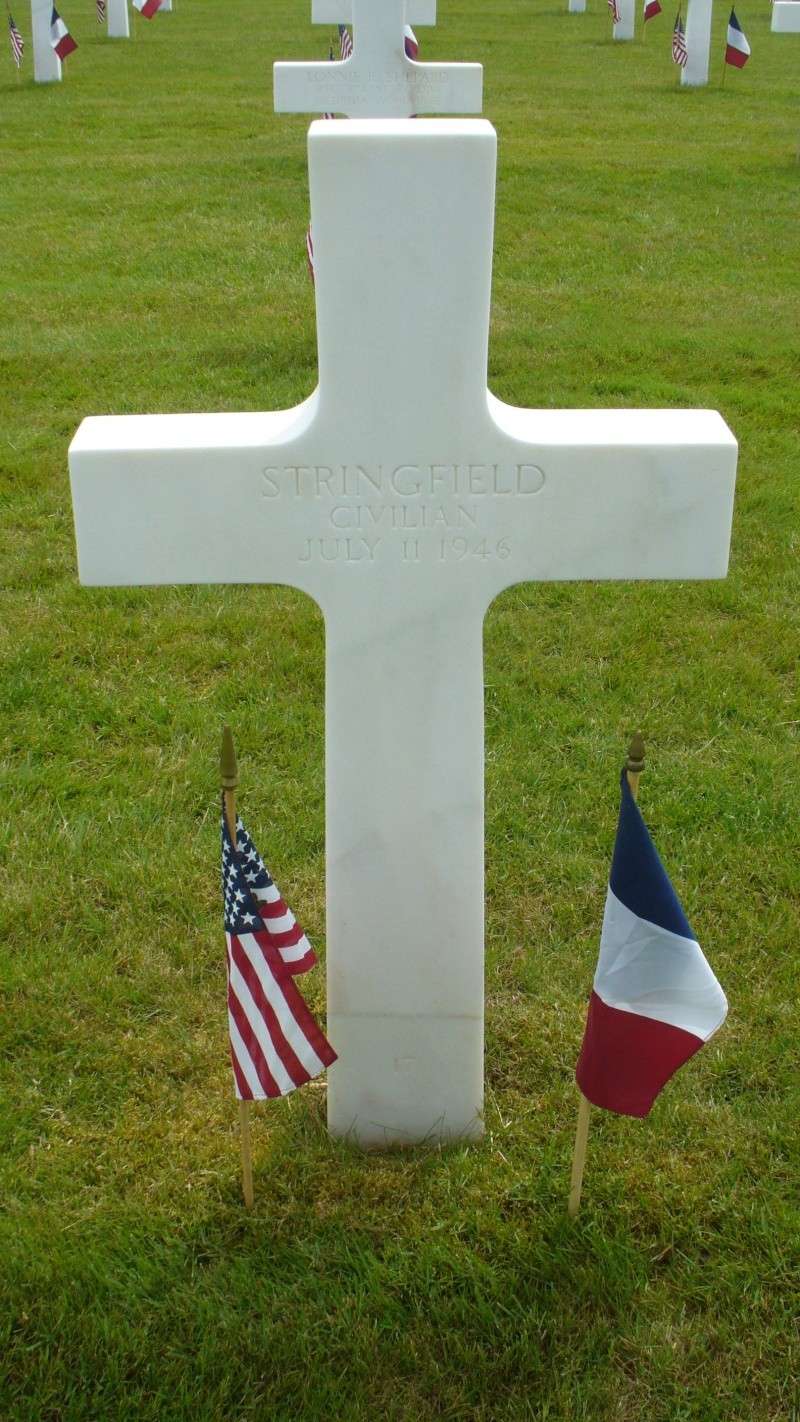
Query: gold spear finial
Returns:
{"type": "Point", "coordinates": [228, 769]}
{"type": "Point", "coordinates": [634, 765]}
{"type": "Point", "coordinates": [635, 762]}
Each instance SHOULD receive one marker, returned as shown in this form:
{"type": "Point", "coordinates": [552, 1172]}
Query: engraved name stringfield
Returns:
{"type": "Point", "coordinates": [413, 512]}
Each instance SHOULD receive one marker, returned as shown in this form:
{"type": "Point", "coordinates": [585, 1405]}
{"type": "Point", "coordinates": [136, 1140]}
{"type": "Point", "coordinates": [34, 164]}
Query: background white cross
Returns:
{"type": "Point", "coordinates": [378, 80]}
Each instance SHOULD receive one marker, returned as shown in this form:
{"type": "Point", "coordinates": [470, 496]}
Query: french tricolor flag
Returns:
{"type": "Point", "coordinates": [737, 50]}
{"type": "Point", "coordinates": [60, 37]}
{"type": "Point", "coordinates": [410, 42]}
{"type": "Point", "coordinates": [148, 8]}
{"type": "Point", "coordinates": [655, 1000]}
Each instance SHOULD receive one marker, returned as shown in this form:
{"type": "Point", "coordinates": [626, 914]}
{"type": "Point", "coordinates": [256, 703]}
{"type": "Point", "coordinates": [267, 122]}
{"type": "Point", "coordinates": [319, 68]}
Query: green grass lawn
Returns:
{"type": "Point", "coordinates": [153, 213]}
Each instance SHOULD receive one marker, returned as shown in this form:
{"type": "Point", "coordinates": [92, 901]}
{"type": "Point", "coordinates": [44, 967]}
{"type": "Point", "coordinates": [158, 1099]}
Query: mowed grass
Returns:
{"type": "Point", "coordinates": [153, 217]}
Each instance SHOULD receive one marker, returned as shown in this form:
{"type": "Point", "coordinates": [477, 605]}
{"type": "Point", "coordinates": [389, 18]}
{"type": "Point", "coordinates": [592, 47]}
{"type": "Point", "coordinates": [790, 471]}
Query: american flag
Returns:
{"type": "Point", "coordinates": [679, 50]}
{"type": "Point", "coordinates": [101, 11]}
{"type": "Point", "coordinates": [614, 11]}
{"type": "Point", "coordinates": [345, 42]}
{"type": "Point", "coordinates": [276, 1044]}
{"type": "Point", "coordinates": [17, 42]}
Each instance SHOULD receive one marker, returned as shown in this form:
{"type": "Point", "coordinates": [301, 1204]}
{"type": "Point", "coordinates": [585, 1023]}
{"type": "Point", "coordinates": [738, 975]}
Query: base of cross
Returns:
{"type": "Point", "coordinates": [406, 1080]}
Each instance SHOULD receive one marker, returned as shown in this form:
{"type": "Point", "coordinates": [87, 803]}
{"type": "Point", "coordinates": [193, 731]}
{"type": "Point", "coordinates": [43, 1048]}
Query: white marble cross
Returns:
{"type": "Point", "coordinates": [694, 73]}
{"type": "Point", "coordinates": [786, 17]}
{"type": "Point", "coordinates": [46, 63]}
{"type": "Point", "coordinates": [378, 80]}
{"type": "Point", "coordinates": [117, 19]}
{"type": "Point", "coordinates": [625, 27]}
{"type": "Point", "coordinates": [403, 497]}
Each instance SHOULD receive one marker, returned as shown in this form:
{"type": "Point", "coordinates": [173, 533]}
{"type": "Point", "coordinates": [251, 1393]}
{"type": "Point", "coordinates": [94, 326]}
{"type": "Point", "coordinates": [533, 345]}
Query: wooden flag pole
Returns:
{"type": "Point", "coordinates": [634, 766]}
{"type": "Point", "coordinates": [578, 1157]}
{"type": "Point", "coordinates": [229, 777]}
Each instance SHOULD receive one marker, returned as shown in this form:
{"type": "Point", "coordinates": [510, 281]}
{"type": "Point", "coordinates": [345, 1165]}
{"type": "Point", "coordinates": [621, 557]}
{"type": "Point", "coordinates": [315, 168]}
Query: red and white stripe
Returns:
{"type": "Point", "coordinates": [276, 1045]}
{"type": "Point", "coordinates": [283, 931]}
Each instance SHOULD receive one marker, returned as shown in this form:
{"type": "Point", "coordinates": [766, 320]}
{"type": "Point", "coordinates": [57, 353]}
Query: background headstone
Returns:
{"type": "Point", "coordinates": [378, 80]}
{"type": "Point", "coordinates": [46, 63]}
{"type": "Point", "coordinates": [118, 21]}
{"type": "Point", "coordinates": [786, 17]}
{"type": "Point", "coordinates": [625, 28]}
{"type": "Point", "coordinates": [698, 43]}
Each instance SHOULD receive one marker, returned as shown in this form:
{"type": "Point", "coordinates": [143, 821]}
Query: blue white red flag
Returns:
{"type": "Point", "coordinates": [655, 1000]}
{"type": "Point", "coordinates": [737, 50]}
{"type": "Point", "coordinates": [147, 8]}
{"type": "Point", "coordinates": [17, 42]}
{"type": "Point", "coordinates": [60, 37]}
{"type": "Point", "coordinates": [651, 9]}
{"type": "Point", "coordinates": [276, 1043]}
{"type": "Point", "coordinates": [410, 42]}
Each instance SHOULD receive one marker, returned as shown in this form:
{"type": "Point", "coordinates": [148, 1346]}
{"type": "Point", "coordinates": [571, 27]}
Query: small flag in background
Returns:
{"type": "Point", "coordinates": [655, 1000]}
{"type": "Point", "coordinates": [679, 51]}
{"type": "Point", "coordinates": [614, 11]}
{"type": "Point", "coordinates": [410, 43]}
{"type": "Point", "coordinates": [101, 11]}
{"type": "Point", "coordinates": [60, 37]}
{"type": "Point", "coordinates": [148, 8]}
{"type": "Point", "coordinates": [17, 42]}
{"type": "Point", "coordinates": [345, 42]}
{"type": "Point", "coordinates": [276, 1044]}
{"type": "Point", "coordinates": [651, 9]}
{"type": "Point", "coordinates": [737, 50]}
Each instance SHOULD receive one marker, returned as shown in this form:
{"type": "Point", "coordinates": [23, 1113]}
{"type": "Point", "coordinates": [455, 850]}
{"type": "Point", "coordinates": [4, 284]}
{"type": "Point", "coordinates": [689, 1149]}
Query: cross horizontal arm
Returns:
{"type": "Point", "coordinates": [340, 12]}
{"type": "Point", "coordinates": [210, 499]}
{"type": "Point", "coordinates": [347, 88]}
